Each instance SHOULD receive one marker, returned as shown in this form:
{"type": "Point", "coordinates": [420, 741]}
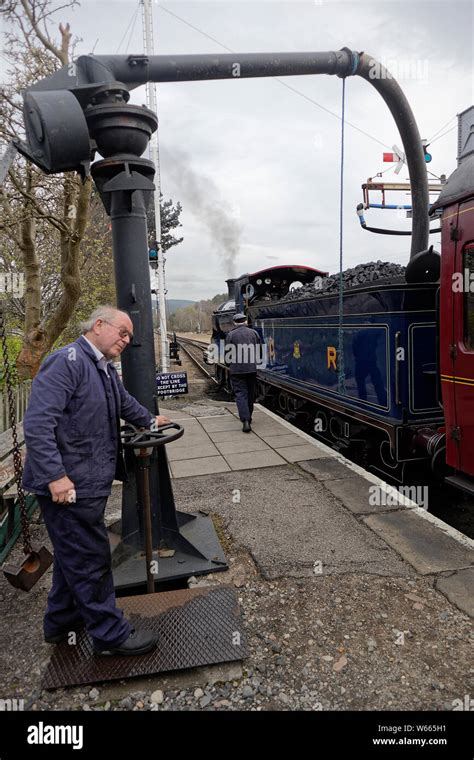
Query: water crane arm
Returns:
{"type": "Point", "coordinates": [90, 73]}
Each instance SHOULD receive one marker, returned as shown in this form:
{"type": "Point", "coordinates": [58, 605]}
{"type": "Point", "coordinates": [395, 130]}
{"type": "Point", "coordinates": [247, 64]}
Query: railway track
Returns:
{"type": "Point", "coordinates": [194, 350]}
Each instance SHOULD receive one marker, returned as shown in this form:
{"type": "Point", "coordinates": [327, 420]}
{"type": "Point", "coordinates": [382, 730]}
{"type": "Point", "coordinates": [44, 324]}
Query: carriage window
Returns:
{"type": "Point", "coordinates": [469, 298]}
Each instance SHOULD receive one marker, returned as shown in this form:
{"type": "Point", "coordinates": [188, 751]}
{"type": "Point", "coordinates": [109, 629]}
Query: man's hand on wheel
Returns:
{"type": "Point", "coordinates": [62, 490]}
{"type": "Point", "coordinates": [161, 419]}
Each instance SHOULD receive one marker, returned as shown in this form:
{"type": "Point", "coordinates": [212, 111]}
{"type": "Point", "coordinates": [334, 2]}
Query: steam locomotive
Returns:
{"type": "Point", "coordinates": [382, 368]}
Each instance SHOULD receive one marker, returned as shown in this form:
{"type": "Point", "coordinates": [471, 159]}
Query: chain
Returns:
{"type": "Point", "coordinates": [17, 463]}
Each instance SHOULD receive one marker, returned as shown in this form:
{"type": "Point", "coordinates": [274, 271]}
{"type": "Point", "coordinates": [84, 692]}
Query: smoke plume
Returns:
{"type": "Point", "coordinates": [201, 195]}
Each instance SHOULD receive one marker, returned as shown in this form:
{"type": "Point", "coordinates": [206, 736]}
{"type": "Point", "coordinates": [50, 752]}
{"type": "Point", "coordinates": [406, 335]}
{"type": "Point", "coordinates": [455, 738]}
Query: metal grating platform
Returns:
{"type": "Point", "coordinates": [195, 627]}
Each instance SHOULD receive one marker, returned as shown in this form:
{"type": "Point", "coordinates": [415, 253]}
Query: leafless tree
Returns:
{"type": "Point", "coordinates": [44, 218]}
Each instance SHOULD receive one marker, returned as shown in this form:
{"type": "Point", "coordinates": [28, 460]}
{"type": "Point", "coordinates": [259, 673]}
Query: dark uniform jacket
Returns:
{"type": "Point", "coordinates": [249, 339]}
{"type": "Point", "coordinates": [71, 424]}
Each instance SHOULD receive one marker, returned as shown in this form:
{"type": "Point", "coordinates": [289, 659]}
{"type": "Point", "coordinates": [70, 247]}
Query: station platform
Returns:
{"type": "Point", "coordinates": [215, 443]}
{"type": "Point", "coordinates": [305, 501]}
{"type": "Point", "coordinates": [346, 602]}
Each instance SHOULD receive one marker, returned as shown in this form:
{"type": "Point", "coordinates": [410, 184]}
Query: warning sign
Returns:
{"type": "Point", "coordinates": [172, 383]}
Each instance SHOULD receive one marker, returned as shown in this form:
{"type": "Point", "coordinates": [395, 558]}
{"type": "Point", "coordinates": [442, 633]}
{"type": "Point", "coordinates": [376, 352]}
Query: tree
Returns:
{"type": "Point", "coordinates": [44, 218]}
{"type": "Point", "coordinates": [96, 268]}
{"type": "Point", "coordinates": [169, 218]}
{"type": "Point", "coordinates": [219, 298]}
{"type": "Point", "coordinates": [54, 228]}
{"type": "Point", "coordinates": [197, 317]}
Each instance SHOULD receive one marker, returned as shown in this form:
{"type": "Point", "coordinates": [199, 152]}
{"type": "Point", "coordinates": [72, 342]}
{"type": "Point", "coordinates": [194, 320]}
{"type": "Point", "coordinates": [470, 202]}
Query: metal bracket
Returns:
{"type": "Point", "coordinates": [456, 433]}
{"type": "Point", "coordinates": [138, 60]}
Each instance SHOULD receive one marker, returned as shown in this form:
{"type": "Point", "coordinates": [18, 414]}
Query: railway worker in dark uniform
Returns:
{"type": "Point", "coordinates": [243, 347]}
{"type": "Point", "coordinates": [74, 453]}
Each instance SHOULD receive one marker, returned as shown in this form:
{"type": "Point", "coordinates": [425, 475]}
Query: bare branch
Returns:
{"type": "Point", "coordinates": [55, 221]}
{"type": "Point", "coordinates": [41, 36]}
{"type": "Point", "coordinates": [82, 211]}
{"type": "Point", "coordinates": [7, 206]}
{"type": "Point", "coordinates": [65, 41]}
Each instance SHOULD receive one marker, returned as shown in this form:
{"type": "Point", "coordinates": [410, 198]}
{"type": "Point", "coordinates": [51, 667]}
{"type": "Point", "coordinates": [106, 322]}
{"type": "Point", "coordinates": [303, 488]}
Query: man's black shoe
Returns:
{"type": "Point", "coordinates": [246, 427]}
{"type": "Point", "coordinates": [57, 638]}
{"type": "Point", "coordinates": [139, 642]}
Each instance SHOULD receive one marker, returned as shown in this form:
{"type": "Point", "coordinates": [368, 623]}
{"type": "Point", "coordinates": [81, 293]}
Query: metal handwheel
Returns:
{"type": "Point", "coordinates": [138, 438]}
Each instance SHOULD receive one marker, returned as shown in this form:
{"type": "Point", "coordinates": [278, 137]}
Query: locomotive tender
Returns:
{"type": "Point", "coordinates": [389, 377]}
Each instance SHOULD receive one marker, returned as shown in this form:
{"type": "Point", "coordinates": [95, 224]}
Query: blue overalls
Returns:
{"type": "Point", "coordinates": [71, 427]}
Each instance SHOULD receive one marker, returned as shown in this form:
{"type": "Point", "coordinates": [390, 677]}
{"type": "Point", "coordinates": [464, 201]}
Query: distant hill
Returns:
{"type": "Point", "coordinates": [177, 303]}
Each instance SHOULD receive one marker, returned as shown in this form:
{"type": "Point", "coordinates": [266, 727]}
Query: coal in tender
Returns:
{"type": "Point", "coordinates": [363, 275]}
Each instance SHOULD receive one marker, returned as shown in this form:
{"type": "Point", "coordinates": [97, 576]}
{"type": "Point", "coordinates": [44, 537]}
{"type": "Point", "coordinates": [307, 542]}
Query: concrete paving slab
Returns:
{"type": "Point", "coordinates": [231, 435]}
{"type": "Point", "coordinates": [181, 444]}
{"type": "Point", "coordinates": [190, 424]}
{"type": "Point", "coordinates": [223, 422]}
{"type": "Point", "coordinates": [420, 542]}
{"type": "Point", "coordinates": [242, 444]}
{"type": "Point", "coordinates": [204, 466]}
{"type": "Point", "coordinates": [267, 431]}
{"type": "Point", "coordinates": [254, 460]}
{"type": "Point", "coordinates": [263, 421]}
{"type": "Point", "coordinates": [287, 439]}
{"type": "Point", "coordinates": [193, 429]}
{"type": "Point", "coordinates": [192, 452]}
{"type": "Point", "coordinates": [299, 453]}
{"type": "Point", "coordinates": [327, 468]}
{"type": "Point", "coordinates": [354, 492]}
{"type": "Point", "coordinates": [174, 413]}
{"type": "Point", "coordinates": [459, 589]}
{"type": "Point", "coordinates": [190, 439]}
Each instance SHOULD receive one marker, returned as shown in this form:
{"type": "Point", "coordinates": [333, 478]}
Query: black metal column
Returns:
{"type": "Point", "coordinates": [125, 184]}
{"type": "Point", "coordinates": [126, 187]}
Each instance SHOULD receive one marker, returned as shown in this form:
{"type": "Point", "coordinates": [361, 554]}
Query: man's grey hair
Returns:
{"type": "Point", "coordinates": [106, 312]}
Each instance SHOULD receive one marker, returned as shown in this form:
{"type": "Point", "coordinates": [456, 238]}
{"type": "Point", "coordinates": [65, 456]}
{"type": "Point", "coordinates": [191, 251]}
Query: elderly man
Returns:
{"type": "Point", "coordinates": [73, 454]}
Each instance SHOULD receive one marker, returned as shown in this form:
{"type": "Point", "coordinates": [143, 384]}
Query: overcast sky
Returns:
{"type": "Point", "coordinates": [267, 158]}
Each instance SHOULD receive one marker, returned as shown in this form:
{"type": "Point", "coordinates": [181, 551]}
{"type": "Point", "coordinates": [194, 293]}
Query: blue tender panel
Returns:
{"type": "Point", "coordinates": [302, 339]}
